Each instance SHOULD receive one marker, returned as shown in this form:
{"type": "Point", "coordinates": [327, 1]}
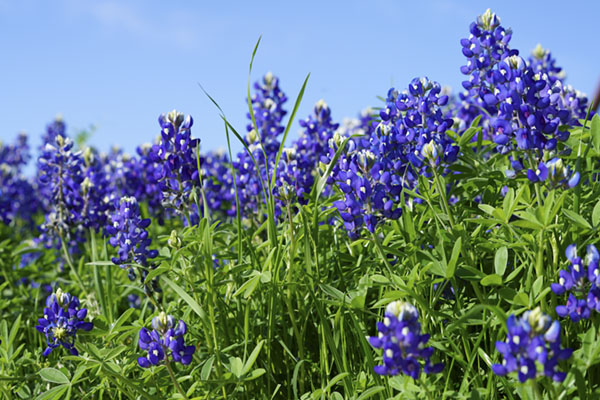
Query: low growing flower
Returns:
{"type": "Point", "coordinates": [402, 343]}
{"type": "Point", "coordinates": [63, 317]}
{"type": "Point", "coordinates": [166, 338]}
{"type": "Point", "coordinates": [532, 337]}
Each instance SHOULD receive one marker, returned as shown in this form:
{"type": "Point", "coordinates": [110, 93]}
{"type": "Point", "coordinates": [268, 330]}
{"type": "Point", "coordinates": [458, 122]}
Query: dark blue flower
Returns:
{"type": "Point", "coordinates": [63, 317]}
{"type": "Point", "coordinates": [532, 339]}
{"type": "Point", "coordinates": [580, 283]}
{"type": "Point", "coordinates": [402, 343]}
{"type": "Point", "coordinates": [128, 232]}
{"type": "Point", "coordinates": [165, 338]}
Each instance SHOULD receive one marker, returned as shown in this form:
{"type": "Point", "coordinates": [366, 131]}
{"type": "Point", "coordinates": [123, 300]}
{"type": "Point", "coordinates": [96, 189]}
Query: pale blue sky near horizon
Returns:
{"type": "Point", "coordinates": [118, 64]}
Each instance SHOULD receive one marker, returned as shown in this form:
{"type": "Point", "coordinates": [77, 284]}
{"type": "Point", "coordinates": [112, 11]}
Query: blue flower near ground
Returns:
{"type": "Point", "coordinates": [165, 338]}
{"type": "Point", "coordinates": [63, 317]}
{"type": "Point", "coordinates": [532, 339]}
{"type": "Point", "coordinates": [402, 342]}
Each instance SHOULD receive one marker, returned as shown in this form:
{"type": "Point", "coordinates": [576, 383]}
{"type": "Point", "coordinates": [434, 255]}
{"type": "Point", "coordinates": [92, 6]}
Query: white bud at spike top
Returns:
{"type": "Point", "coordinates": [403, 311]}
{"type": "Point", "coordinates": [431, 151]}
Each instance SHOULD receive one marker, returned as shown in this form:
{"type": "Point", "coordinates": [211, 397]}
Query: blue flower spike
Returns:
{"type": "Point", "coordinates": [532, 339]}
{"type": "Point", "coordinates": [402, 343]}
{"type": "Point", "coordinates": [165, 338]}
{"type": "Point", "coordinates": [63, 317]}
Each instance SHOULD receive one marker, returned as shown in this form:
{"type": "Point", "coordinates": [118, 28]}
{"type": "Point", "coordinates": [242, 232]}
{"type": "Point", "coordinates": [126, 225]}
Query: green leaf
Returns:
{"type": "Point", "coordinates": [492, 280]}
{"type": "Point", "coordinates": [235, 366]}
{"type": "Point", "coordinates": [206, 368]}
{"type": "Point", "coordinates": [521, 299]}
{"type": "Point", "coordinates": [595, 132]}
{"type": "Point", "coordinates": [54, 393]}
{"type": "Point", "coordinates": [370, 392]}
{"type": "Point", "coordinates": [453, 259]}
{"type": "Point", "coordinates": [252, 358]}
{"type": "Point", "coordinates": [122, 319]}
{"type": "Point", "coordinates": [186, 297]}
{"type": "Point", "coordinates": [156, 272]}
{"type": "Point", "coordinates": [500, 260]}
{"type": "Point", "coordinates": [596, 214]}
{"type": "Point", "coordinates": [53, 375]}
{"type": "Point", "coordinates": [537, 285]}
{"type": "Point", "coordinates": [249, 286]}
{"type": "Point", "coordinates": [577, 219]}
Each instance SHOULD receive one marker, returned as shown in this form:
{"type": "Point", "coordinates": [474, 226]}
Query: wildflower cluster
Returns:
{"type": "Point", "coordinates": [17, 194]}
{"type": "Point", "coordinates": [582, 281]}
{"type": "Point", "coordinates": [128, 232]}
{"type": "Point", "coordinates": [402, 343]}
{"type": "Point", "coordinates": [176, 156]}
{"type": "Point", "coordinates": [525, 104]}
{"type": "Point", "coordinates": [300, 162]}
{"type": "Point", "coordinates": [534, 337]}
{"type": "Point", "coordinates": [165, 339]}
{"type": "Point", "coordinates": [267, 105]}
{"type": "Point", "coordinates": [60, 172]}
{"type": "Point", "coordinates": [408, 141]}
{"type": "Point", "coordinates": [63, 317]}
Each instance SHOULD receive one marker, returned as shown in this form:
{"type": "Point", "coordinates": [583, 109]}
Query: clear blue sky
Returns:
{"type": "Point", "coordinates": [119, 64]}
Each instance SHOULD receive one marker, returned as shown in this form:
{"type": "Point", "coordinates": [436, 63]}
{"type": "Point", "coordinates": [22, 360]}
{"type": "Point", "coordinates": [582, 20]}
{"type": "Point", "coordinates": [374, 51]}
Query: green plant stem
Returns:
{"type": "Point", "coordinates": [71, 265]}
{"type": "Point", "coordinates": [537, 395]}
{"type": "Point", "coordinates": [172, 375]}
{"type": "Point", "coordinates": [442, 194]}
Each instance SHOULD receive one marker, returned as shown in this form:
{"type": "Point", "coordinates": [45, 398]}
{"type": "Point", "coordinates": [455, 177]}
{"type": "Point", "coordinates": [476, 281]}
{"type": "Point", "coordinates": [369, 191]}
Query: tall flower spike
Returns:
{"type": "Point", "coordinates": [63, 317]}
{"type": "Point", "coordinates": [373, 173]}
{"type": "Point", "coordinates": [532, 339]}
{"type": "Point", "coordinates": [60, 174]}
{"type": "Point", "coordinates": [128, 232]}
{"type": "Point", "coordinates": [402, 343]}
{"type": "Point", "coordinates": [165, 338]}
{"type": "Point", "coordinates": [176, 155]}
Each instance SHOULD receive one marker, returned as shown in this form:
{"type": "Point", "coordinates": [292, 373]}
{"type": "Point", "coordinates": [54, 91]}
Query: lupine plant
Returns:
{"type": "Point", "coordinates": [412, 252]}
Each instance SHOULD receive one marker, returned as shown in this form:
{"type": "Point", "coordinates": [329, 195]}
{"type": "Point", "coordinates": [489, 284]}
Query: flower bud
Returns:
{"type": "Point", "coordinates": [174, 240]}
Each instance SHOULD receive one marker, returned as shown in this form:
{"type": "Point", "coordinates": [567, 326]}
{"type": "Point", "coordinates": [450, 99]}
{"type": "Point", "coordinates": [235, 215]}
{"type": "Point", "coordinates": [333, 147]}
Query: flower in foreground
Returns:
{"type": "Point", "coordinates": [63, 317]}
{"type": "Point", "coordinates": [166, 337]}
{"type": "Point", "coordinates": [532, 337]}
{"type": "Point", "coordinates": [579, 281]}
{"type": "Point", "coordinates": [402, 343]}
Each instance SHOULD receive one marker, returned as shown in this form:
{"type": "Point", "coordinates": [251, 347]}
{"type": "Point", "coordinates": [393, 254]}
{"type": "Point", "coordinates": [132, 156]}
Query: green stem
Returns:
{"type": "Point", "coordinates": [172, 375]}
{"type": "Point", "coordinates": [442, 194]}
{"type": "Point", "coordinates": [71, 265]}
{"type": "Point", "coordinates": [537, 395]}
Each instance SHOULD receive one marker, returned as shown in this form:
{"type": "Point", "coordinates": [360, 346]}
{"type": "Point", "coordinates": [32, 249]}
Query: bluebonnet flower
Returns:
{"type": "Point", "coordinates": [134, 301]}
{"type": "Point", "coordinates": [524, 105]}
{"type": "Point", "coordinates": [95, 192]}
{"type": "Point", "coordinates": [165, 338]}
{"type": "Point", "coordinates": [128, 232]}
{"type": "Point", "coordinates": [267, 104]}
{"type": "Point", "coordinates": [373, 173]}
{"type": "Point", "coordinates": [583, 285]}
{"type": "Point", "coordinates": [532, 339]}
{"type": "Point", "coordinates": [17, 193]}
{"type": "Point", "coordinates": [554, 173]}
{"type": "Point", "coordinates": [63, 317]}
{"type": "Point", "coordinates": [61, 174]}
{"type": "Point", "coordinates": [176, 156]}
{"type": "Point", "coordinates": [218, 184]}
{"type": "Point", "coordinates": [402, 342]}
{"type": "Point", "coordinates": [300, 163]}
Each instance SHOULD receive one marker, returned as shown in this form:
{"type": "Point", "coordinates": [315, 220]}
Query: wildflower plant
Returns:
{"type": "Point", "coordinates": [581, 281]}
{"type": "Point", "coordinates": [532, 340]}
{"type": "Point", "coordinates": [63, 317]}
{"type": "Point", "coordinates": [128, 233]}
{"type": "Point", "coordinates": [273, 257]}
{"type": "Point", "coordinates": [402, 342]}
